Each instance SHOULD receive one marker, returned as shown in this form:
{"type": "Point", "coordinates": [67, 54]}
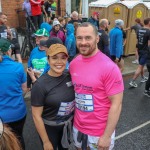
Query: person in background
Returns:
{"type": "Point", "coordinates": [74, 17]}
{"type": "Point", "coordinates": [37, 60]}
{"type": "Point", "coordinates": [62, 24]}
{"type": "Point", "coordinates": [80, 17]}
{"type": "Point", "coordinates": [47, 26]}
{"type": "Point", "coordinates": [56, 32]}
{"type": "Point", "coordinates": [94, 19]}
{"type": "Point", "coordinates": [147, 85]}
{"type": "Point", "coordinates": [52, 108]}
{"type": "Point", "coordinates": [6, 32]}
{"type": "Point", "coordinates": [47, 10]}
{"type": "Point", "coordinates": [70, 42]}
{"type": "Point", "coordinates": [136, 28]}
{"type": "Point", "coordinates": [26, 6]}
{"type": "Point", "coordinates": [53, 9]}
{"type": "Point", "coordinates": [9, 141]}
{"type": "Point", "coordinates": [103, 43]}
{"type": "Point", "coordinates": [116, 44]}
{"type": "Point", "coordinates": [36, 12]}
{"type": "Point", "coordinates": [45, 44]}
{"type": "Point", "coordinates": [143, 51]}
{"type": "Point", "coordinates": [13, 80]}
{"type": "Point", "coordinates": [98, 86]}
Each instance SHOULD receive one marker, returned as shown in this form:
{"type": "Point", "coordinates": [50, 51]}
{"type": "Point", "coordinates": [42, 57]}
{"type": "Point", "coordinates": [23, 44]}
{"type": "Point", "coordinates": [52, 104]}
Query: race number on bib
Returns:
{"type": "Point", "coordinates": [84, 102]}
{"type": "Point", "coordinates": [66, 108]}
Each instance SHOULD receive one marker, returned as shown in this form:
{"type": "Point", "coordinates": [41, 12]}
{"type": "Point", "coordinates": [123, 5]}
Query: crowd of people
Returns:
{"type": "Point", "coordinates": [74, 74]}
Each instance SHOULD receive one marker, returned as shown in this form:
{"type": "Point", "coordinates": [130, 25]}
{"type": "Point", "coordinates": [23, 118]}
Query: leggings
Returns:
{"type": "Point", "coordinates": [147, 85]}
{"type": "Point", "coordinates": [17, 128]}
{"type": "Point", "coordinates": [55, 134]}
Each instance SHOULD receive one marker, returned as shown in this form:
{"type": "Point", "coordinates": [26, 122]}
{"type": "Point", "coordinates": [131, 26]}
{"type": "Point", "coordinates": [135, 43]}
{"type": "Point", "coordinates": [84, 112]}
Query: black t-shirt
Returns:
{"type": "Point", "coordinates": [143, 35]}
{"type": "Point", "coordinates": [72, 21]}
{"type": "Point", "coordinates": [56, 95]}
{"type": "Point", "coordinates": [47, 6]}
{"type": "Point", "coordinates": [136, 28]}
{"type": "Point", "coordinates": [104, 40]}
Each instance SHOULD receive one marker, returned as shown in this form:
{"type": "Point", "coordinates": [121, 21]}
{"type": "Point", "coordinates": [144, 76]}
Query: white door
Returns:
{"type": "Point", "coordinates": [68, 7]}
{"type": "Point", "coordinates": [85, 8]}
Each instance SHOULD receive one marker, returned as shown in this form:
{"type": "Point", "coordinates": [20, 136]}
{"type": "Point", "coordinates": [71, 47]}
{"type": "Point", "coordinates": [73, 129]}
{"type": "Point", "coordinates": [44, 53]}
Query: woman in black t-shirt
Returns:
{"type": "Point", "coordinates": [47, 10]}
{"type": "Point", "coordinates": [52, 100]}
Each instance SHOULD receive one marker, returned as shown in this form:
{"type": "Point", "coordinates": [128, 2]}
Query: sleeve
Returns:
{"type": "Point", "coordinates": [105, 40]}
{"type": "Point", "coordinates": [68, 45]}
{"type": "Point", "coordinates": [113, 81]}
{"type": "Point", "coordinates": [37, 95]}
{"type": "Point", "coordinates": [23, 75]}
{"type": "Point", "coordinates": [119, 45]}
{"type": "Point", "coordinates": [133, 28]}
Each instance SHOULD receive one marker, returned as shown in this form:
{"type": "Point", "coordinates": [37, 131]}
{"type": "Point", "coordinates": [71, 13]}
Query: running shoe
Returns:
{"type": "Point", "coordinates": [144, 79]}
{"type": "Point", "coordinates": [133, 84]}
{"type": "Point", "coordinates": [147, 93]}
{"type": "Point", "coordinates": [135, 61]}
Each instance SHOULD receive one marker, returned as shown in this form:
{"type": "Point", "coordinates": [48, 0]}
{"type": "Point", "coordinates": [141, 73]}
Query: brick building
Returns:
{"type": "Point", "coordinates": [16, 17]}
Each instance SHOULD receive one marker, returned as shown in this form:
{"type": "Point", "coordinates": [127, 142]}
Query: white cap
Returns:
{"type": "Point", "coordinates": [56, 22]}
{"type": "Point", "coordinates": [119, 22]}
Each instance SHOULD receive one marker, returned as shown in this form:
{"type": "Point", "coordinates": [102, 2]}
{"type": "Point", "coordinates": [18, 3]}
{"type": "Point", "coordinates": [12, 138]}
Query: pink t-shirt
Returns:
{"type": "Point", "coordinates": [94, 79]}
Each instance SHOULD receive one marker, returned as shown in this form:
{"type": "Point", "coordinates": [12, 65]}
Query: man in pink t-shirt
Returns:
{"type": "Point", "coordinates": [98, 88]}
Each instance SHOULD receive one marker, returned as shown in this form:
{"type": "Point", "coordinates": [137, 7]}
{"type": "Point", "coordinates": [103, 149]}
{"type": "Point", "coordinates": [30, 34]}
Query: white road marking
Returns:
{"type": "Point", "coordinates": [132, 130]}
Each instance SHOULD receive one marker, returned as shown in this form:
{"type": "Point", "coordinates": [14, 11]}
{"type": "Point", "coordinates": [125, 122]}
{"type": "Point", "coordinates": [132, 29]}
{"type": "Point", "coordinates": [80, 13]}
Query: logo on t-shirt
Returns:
{"type": "Point", "coordinates": [66, 108]}
{"type": "Point", "coordinates": [39, 64]}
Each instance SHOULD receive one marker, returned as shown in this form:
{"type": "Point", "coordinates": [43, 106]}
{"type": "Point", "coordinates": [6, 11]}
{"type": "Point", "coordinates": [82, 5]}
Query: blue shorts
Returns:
{"type": "Point", "coordinates": [142, 59]}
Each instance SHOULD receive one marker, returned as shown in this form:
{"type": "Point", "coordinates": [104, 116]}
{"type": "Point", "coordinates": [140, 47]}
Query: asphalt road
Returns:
{"type": "Point", "coordinates": [133, 129]}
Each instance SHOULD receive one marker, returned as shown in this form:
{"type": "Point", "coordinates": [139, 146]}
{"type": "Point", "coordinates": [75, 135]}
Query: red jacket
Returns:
{"type": "Point", "coordinates": [36, 7]}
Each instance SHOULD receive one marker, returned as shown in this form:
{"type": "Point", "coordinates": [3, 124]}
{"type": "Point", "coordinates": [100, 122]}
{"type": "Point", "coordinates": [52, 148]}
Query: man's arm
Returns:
{"type": "Point", "coordinates": [113, 117]}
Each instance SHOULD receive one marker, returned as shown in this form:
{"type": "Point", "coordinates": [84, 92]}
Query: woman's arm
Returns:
{"type": "Point", "coordinates": [39, 124]}
{"type": "Point", "coordinates": [24, 87]}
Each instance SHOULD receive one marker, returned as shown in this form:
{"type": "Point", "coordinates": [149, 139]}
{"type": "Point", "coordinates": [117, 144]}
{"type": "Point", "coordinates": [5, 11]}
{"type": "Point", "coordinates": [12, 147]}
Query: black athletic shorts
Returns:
{"type": "Point", "coordinates": [113, 58]}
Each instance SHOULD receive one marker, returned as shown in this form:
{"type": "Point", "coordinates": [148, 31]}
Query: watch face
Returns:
{"type": "Point", "coordinates": [1, 127]}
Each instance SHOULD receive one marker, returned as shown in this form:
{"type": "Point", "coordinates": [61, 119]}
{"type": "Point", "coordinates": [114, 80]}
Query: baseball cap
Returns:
{"type": "Point", "coordinates": [56, 22]}
{"type": "Point", "coordinates": [5, 45]}
{"type": "Point", "coordinates": [50, 41]}
{"type": "Point", "coordinates": [42, 32]}
{"type": "Point", "coordinates": [119, 22]}
{"type": "Point", "coordinates": [95, 13]}
{"type": "Point", "coordinates": [55, 49]}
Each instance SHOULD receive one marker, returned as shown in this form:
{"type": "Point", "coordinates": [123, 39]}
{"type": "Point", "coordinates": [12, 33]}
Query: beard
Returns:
{"type": "Point", "coordinates": [86, 49]}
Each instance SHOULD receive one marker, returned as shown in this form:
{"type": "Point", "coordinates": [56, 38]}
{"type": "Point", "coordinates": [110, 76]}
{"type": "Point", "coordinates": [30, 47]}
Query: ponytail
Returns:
{"type": "Point", "coordinates": [1, 58]}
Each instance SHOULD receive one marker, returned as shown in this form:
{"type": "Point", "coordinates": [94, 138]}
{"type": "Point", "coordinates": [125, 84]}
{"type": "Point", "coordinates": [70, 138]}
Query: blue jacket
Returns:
{"type": "Point", "coordinates": [116, 42]}
{"type": "Point", "coordinates": [94, 22]}
{"type": "Point", "coordinates": [70, 42]}
{"type": "Point", "coordinates": [12, 76]}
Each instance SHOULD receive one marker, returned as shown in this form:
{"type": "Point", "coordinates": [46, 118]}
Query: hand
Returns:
{"type": "Point", "coordinates": [116, 60]}
{"type": "Point", "coordinates": [104, 143]}
{"type": "Point", "coordinates": [47, 146]}
{"type": "Point", "coordinates": [31, 74]}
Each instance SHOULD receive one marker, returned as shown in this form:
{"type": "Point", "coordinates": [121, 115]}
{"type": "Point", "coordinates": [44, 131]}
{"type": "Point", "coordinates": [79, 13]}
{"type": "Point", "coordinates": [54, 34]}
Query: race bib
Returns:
{"type": "Point", "coordinates": [84, 102]}
{"type": "Point", "coordinates": [49, 8]}
{"type": "Point", "coordinates": [4, 35]}
{"type": "Point", "coordinates": [66, 108]}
